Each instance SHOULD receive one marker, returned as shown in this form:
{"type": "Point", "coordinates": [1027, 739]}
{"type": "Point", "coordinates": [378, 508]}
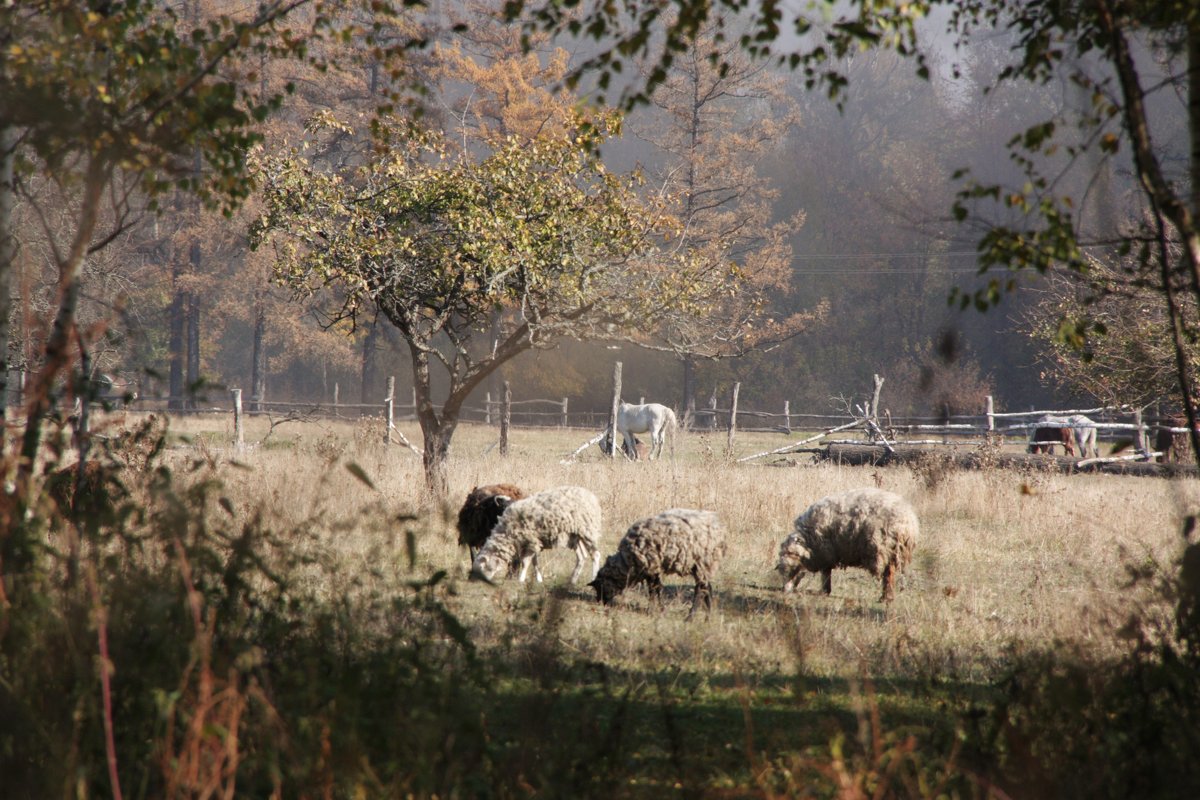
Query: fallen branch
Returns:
{"type": "Point", "coordinates": [403, 440]}
{"type": "Point", "coordinates": [1114, 459]}
{"type": "Point", "coordinates": [594, 440]}
{"type": "Point", "coordinates": [797, 445]}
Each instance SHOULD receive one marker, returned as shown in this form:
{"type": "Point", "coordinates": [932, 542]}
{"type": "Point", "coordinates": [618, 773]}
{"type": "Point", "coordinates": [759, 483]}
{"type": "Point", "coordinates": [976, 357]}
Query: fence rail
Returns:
{"type": "Point", "coordinates": [1110, 422]}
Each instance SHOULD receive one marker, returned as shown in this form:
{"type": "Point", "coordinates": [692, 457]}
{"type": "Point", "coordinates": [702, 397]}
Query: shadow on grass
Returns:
{"type": "Point", "coordinates": [592, 730]}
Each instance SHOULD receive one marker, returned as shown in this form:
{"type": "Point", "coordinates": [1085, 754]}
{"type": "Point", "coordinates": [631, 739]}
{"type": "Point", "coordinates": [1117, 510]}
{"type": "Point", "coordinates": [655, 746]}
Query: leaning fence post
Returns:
{"type": "Point", "coordinates": [389, 410]}
{"type": "Point", "coordinates": [564, 413]}
{"type": "Point", "coordinates": [787, 417]}
{"type": "Point", "coordinates": [239, 437]}
{"type": "Point", "coordinates": [733, 398]}
{"type": "Point", "coordinates": [612, 414]}
{"type": "Point", "coordinates": [505, 419]}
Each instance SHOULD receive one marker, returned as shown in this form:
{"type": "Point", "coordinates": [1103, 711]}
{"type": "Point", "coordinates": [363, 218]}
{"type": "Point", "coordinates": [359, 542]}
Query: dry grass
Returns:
{"type": "Point", "coordinates": [1006, 560]}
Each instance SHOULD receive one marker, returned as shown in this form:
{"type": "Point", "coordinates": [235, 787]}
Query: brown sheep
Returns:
{"type": "Point", "coordinates": [481, 510]}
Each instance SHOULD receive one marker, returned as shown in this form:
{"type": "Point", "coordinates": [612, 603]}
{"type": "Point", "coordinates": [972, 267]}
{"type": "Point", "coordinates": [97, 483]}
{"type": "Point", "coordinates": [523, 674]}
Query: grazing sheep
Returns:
{"type": "Point", "coordinates": [681, 541]}
{"type": "Point", "coordinates": [481, 510]}
{"type": "Point", "coordinates": [867, 528]}
{"type": "Point", "coordinates": [566, 516]}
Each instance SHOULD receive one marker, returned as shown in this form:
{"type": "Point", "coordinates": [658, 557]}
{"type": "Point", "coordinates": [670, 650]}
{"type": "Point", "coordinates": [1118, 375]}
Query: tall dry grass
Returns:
{"type": "Point", "coordinates": [1007, 561]}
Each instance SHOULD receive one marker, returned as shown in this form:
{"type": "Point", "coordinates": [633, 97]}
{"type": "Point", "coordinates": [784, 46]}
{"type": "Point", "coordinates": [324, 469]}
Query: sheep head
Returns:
{"type": "Point", "coordinates": [489, 563]}
{"type": "Point", "coordinates": [793, 555]}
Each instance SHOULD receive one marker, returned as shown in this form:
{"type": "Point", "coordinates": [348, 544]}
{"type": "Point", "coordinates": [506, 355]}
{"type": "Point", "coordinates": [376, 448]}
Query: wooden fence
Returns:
{"type": "Point", "coordinates": [864, 421]}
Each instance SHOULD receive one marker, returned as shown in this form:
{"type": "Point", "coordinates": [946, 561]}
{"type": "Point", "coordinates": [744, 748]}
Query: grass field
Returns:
{"type": "Point", "coordinates": [771, 687]}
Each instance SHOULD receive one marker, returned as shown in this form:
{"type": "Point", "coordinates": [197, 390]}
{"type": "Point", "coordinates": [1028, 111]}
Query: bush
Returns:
{"type": "Point", "coordinates": [1073, 725]}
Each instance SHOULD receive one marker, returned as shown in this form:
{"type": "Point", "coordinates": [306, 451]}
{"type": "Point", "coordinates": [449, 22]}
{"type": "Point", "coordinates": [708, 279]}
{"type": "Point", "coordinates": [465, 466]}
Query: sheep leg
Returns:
{"type": "Point", "coordinates": [827, 581]}
{"type": "Point", "coordinates": [526, 560]}
{"type": "Point", "coordinates": [654, 586]}
{"type": "Point", "coordinates": [580, 555]}
{"type": "Point", "coordinates": [537, 568]}
{"type": "Point", "coordinates": [889, 580]}
{"type": "Point", "coordinates": [703, 592]}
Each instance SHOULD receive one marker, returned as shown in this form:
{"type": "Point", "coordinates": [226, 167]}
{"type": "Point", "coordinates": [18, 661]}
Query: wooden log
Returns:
{"type": "Point", "coordinates": [612, 414]}
{"type": "Point", "coordinates": [505, 419]}
{"type": "Point", "coordinates": [868, 455]}
{"type": "Point", "coordinates": [733, 400]}
{"type": "Point", "coordinates": [239, 435]}
{"type": "Point", "coordinates": [389, 410]}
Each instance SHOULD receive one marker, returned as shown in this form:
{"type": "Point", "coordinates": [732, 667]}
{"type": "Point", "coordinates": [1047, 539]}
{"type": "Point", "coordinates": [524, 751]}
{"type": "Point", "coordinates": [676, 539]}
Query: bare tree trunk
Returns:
{"type": "Point", "coordinates": [176, 344]}
{"type": "Point", "coordinates": [689, 391]}
{"type": "Point", "coordinates": [8, 254]}
{"type": "Point", "coordinates": [258, 366]}
{"type": "Point", "coordinates": [367, 370]}
{"type": "Point", "coordinates": [17, 549]}
{"type": "Point", "coordinates": [193, 345]}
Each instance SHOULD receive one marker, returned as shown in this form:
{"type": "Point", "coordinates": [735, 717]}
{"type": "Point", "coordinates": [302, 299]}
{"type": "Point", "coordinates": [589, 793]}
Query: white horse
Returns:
{"type": "Point", "coordinates": [652, 418]}
{"type": "Point", "coordinates": [1084, 431]}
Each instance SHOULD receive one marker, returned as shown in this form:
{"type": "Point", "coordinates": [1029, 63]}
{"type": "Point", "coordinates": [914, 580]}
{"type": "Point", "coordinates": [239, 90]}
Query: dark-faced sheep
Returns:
{"type": "Point", "coordinates": [565, 516]}
{"type": "Point", "coordinates": [480, 512]}
{"type": "Point", "coordinates": [867, 528]}
{"type": "Point", "coordinates": [681, 541]}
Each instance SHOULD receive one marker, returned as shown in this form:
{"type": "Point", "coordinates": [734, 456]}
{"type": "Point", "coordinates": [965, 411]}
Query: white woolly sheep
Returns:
{"type": "Point", "coordinates": [565, 516]}
{"type": "Point", "coordinates": [867, 528]}
{"type": "Point", "coordinates": [680, 541]}
{"type": "Point", "coordinates": [480, 512]}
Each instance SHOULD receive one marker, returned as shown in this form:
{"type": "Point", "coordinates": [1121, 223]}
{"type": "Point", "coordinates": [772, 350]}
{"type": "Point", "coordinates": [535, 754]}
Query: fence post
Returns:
{"type": "Point", "coordinates": [1139, 435]}
{"type": "Point", "coordinates": [787, 417]}
{"type": "Point", "coordinates": [564, 413]}
{"type": "Point", "coordinates": [414, 400]}
{"type": "Point", "coordinates": [712, 411]}
{"type": "Point", "coordinates": [991, 415]}
{"type": "Point", "coordinates": [335, 398]}
{"type": "Point", "coordinates": [487, 408]}
{"type": "Point", "coordinates": [732, 416]}
{"type": "Point", "coordinates": [642, 400]}
{"type": "Point", "coordinates": [505, 419]}
{"type": "Point", "coordinates": [239, 437]}
{"type": "Point", "coordinates": [612, 412]}
{"type": "Point", "coordinates": [389, 410]}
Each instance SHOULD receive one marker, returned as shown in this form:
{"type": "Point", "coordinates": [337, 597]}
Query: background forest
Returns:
{"type": "Point", "coordinates": [838, 216]}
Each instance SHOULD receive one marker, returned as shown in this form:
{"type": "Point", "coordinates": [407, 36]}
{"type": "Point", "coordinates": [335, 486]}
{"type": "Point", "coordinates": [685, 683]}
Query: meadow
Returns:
{"type": "Point", "coordinates": [771, 687]}
{"type": "Point", "coordinates": [295, 619]}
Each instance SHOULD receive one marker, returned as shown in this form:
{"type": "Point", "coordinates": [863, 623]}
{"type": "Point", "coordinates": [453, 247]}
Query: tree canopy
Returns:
{"type": "Point", "coordinates": [475, 258]}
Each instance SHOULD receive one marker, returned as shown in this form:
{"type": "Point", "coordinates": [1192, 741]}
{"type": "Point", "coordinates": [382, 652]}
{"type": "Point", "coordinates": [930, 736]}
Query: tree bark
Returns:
{"type": "Point", "coordinates": [258, 366]}
{"type": "Point", "coordinates": [18, 549]}
{"type": "Point", "coordinates": [8, 254]}
{"type": "Point", "coordinates": [193, 346]}
{"type": "Point", "coordinates": [688, 403]}
{"type": "Point", "coordinates": [367, 364]}
{"type": "Point", "coordinates": [176, 343]}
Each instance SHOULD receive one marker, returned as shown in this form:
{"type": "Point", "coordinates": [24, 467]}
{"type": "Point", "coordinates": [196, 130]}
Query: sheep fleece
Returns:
{"type": "Point", "coordinates": [865, 528]}
{"type": "Point", "coordinates": [551, 518]}
{"type": "Point", "coordinates": [680, 541]}
{"type": "Point", "coordinates": [480, 512]}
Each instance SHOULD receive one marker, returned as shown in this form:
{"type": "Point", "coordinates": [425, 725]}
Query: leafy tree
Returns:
{"type": "Point", "coordinates": [1122, 57]}
{"type": "Point", "coordinates": [713, 119]}
{"type": "Point", "coordinates": [116, 103]}
{"type": "Point", "coordinates": [1128, 355]}
{"type": "Point", "coordinates": [537, 232]}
